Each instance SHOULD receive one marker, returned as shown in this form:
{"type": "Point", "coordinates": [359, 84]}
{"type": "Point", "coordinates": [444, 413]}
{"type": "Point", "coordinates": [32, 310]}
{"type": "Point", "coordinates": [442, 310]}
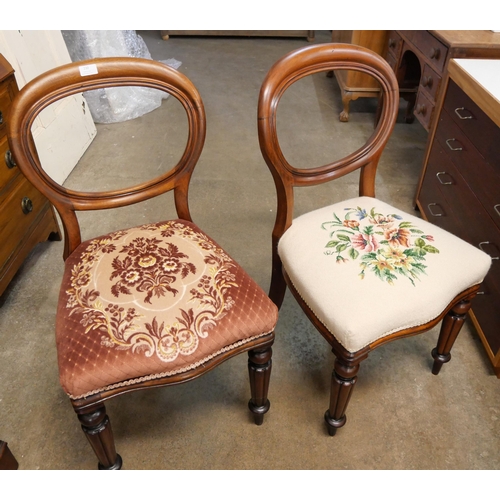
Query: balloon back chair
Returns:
{"type": "Point", "coordinates": [148, 306]}
{"type": "Point", "coordinates": [364, 272]}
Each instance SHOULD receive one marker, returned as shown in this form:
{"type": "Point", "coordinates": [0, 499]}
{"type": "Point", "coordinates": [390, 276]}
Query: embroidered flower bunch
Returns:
{"type": "Point", "coordinates": [385, 244]}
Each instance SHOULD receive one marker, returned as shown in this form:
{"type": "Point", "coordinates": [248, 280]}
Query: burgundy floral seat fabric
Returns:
{"type": "Point", "coordinates": [149, 302]}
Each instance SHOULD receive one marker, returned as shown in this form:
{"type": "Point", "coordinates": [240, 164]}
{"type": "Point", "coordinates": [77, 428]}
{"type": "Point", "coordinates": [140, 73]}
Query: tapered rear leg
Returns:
{"type": "Point", "coordinates": [450, 328]}
{"type": "Point", "coordinates": [97, 428]}
{"type": "Point", "coordinates": [259, 369]}
{"type": "Point", "coordinates": [343, 380]}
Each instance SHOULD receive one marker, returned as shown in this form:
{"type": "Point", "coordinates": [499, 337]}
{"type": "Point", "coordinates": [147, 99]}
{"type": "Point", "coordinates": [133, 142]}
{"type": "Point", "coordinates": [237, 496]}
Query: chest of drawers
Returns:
{"type": "Point", "coordinates": [26, 217]}
{"type": "Point", "coordinates": [460, 189]}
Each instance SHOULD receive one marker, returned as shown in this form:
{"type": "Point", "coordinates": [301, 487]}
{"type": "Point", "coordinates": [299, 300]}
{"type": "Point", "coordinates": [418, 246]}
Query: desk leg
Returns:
{"type": "Point", "coordinates": [7, 460]}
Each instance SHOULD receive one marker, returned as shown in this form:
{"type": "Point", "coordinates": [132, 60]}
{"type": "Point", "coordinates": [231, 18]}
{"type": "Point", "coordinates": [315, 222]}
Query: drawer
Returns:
{"type": "Point", "coordinates": [394, 44]}
{"type": "Point", "coordinates": [430, 82]}
{"type": "Point", "coordinates": [424, 109]}
{"type": "Point", "coordinates": [7, 170]}
{"type": "Point", "coordinates": [432, 49]}
{"type": "Point", "coordinates": [6, 97]}
{"type": "Point", "coordinates": [14, 222]}
{"type": "Point", "coordinates": [433, 194]}
{"type": "Point", "coordinates": [476, 125]}
{"type": "Point", "coordinates": [392, 61]}
{"type": "Point", "coordinates": [452, 205]}
{"type": "Point", "coordinates": [481, 176]}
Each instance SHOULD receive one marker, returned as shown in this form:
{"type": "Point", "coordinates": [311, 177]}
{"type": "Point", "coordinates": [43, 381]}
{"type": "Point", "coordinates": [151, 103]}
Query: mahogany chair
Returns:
{"type": "Point", "coordinates": [148, 306]}
{"type": "Point", "coordinates": [365, 273]}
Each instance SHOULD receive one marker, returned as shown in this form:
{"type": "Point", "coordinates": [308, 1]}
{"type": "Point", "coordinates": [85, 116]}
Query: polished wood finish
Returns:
{"type": "Point", "coordinates": [420, 59]}
{"type": "Point", "coordinates": [460, 187]}
{"type": "Point", "coordinates": [26, 217]}
{"type": "Point", "coordinates": [7, 459]}
{"type": "Point", "coordinates": [67, 80]}
{"type": "Point", "coordinates": [354, 85]}
{"type": "Point", "coordinates": [309, 34]}
{"type": "Point", "coordinates": [289, 69]}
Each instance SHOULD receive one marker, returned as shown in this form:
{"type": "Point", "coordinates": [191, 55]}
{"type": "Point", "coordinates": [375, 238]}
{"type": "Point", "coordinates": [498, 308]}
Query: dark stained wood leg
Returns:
{"type": "Point", "coordinates": [277, 288]}
{"type": "Point", "coordinates": [343, 380]}
{"type": "Point", "coordinates": [410, 100]}
{"type": "Point", "coordinates": [259, 369]}
{"type": "Point", "coordinates": [7, 459]}
{"type": "Point", "coordinates": [450, 328]}
{"type": "Point", "coordinates": [97, 428]}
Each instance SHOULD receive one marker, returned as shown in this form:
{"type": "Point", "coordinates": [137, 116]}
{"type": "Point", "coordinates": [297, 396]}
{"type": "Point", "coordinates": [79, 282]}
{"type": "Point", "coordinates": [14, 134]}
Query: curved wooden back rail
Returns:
{"type": "Point", "coordinates": [323, 315]}
{"type": "Point", "coordinates": [288, 70]}
{"type": "Point", "coordinates": [111, 72]}
{"type": "Point", "coordinates": [149, 338]}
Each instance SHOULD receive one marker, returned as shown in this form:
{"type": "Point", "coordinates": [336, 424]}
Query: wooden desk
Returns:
{"type": "Point", "coordinates": [460, 186]}
{"type": "Point", "coordinates": [420, 60]}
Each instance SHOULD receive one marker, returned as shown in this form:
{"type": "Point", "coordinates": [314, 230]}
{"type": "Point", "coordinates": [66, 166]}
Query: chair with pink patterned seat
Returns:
{"type": "Point", "coordinates": [147, 306]}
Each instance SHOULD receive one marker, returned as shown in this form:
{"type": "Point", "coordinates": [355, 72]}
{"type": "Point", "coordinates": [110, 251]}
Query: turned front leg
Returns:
{"type": "Point", "coordinates": [343, 380]}
{"type": "Point", "coordinates": [450, 328]}
{"type": "Point", "coordinates": [97, 428]}
{"type": "Point", "coordinates": [259, 370]}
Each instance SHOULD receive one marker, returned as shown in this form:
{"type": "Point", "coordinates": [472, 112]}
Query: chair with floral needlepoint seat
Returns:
{"type": "Point", "coordinates": [364, 272]}
{"type": "Point", "coordinates": [147, 306]}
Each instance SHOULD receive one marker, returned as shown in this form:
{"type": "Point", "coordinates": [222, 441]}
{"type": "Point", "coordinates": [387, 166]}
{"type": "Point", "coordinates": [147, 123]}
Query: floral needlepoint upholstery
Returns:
{"type": "Point", "coordinates": [152, 301]}
{"type": "Point", "coordinates": [352, 262]}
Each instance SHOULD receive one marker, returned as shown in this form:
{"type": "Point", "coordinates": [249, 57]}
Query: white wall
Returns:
{"type": "Point", "coordinates": [62, 132]}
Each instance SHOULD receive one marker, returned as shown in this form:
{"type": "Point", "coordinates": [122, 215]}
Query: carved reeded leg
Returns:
{"type": "Point", "coordinates": [343, 380]}
{"type": "Point", "coordinates": [450, 328]}
{"type": "Point", "coordinates": [97, 428]}
{"type": "Point", "coordinates": [259, 369]}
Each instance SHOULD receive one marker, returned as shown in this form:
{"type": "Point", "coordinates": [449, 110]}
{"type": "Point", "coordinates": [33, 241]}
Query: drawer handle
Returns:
{"type": "Point", "coordinates": [430, 209]}
{"type": "Point", "coordinates": [451, 147]}
{"type": "Point", "coordinates": [481, 247]}
{"type": "Point", "coordinates": [1, 118]}
{"type": "Point", "coordinates": [26, 205]}
{"type": "Point", "coordinates": [427, 81]}
{"type": "Point", "coordinates": [421, 109]}
{"type": "Point", "coordinates": [497, 209]}
{"type": "Point", "coordinates": [9, 159]}
{"type": "Point", "coordinates": [392, 43]}
{"type": "Point", "coordinates": [435, 53]}
{"type": "Point", "coordinates": [462, 117]}
{"type": "Point", "coordinates": [445, 183]}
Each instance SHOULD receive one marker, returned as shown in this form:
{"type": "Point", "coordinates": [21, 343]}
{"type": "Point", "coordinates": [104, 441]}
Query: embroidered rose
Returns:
{"type": "Point", "coordinates": [365, 242]}
{"type": "Point", "coordinates": [385, 244]}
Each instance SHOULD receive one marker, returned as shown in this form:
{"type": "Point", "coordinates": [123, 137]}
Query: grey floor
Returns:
{"type": "Point", "coordinates": [400, 415]}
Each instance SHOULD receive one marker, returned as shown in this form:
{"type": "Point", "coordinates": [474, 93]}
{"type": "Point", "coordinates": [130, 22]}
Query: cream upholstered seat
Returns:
{"type": "Point", "coordinates": [367, 269]}
{"type": "Point", "coordinates": [153, 305]}
{"type": "Point", "coordinates": [364, 272]}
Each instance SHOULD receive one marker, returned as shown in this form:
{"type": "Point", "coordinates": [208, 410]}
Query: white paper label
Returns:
{"type": "Point", "coordinates": [88, 69]}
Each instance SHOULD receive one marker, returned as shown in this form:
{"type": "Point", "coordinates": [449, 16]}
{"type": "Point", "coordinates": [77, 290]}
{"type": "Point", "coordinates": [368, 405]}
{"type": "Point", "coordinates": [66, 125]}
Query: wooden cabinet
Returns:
{"type": "Point", "coordinates": [26, 217]}
{"type": "Point", "coordinates": [420, 58]}
{"type": "Point", "coordinates": [460, 189]}
{"type": "Point", "coordinates": [354, 84]}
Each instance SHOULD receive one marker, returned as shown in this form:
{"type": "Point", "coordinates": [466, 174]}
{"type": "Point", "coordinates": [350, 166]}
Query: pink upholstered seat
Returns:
{"type": "Point", "coordinates": [151, 302]}
{"type": "Point", "coordinates": [153, 305]}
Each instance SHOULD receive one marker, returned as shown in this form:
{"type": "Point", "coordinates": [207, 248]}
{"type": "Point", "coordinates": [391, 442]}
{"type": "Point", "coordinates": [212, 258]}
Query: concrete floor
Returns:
{"type": "Point", "coordinates": [400, 415]}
